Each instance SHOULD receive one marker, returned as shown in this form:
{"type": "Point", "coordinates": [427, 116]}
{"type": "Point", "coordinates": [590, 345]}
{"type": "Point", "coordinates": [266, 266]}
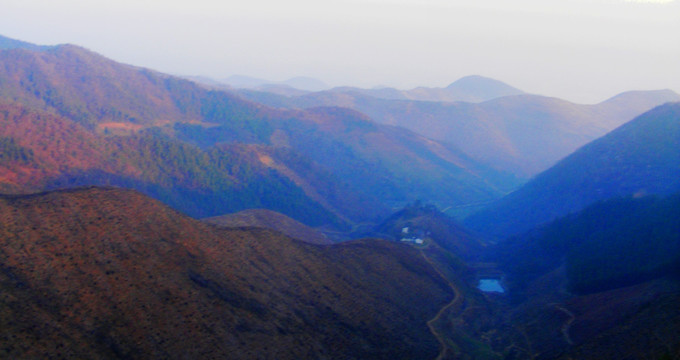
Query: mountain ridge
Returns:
{"type": "Point", "coordinates": [271, 220]}
{"type": "Point", "coordinates": [472, 88]}
{"type": "Point", "coordinates": [641, 156]}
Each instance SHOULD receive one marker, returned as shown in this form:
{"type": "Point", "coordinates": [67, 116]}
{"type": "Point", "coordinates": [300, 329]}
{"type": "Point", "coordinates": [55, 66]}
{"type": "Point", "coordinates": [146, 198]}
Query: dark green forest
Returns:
{"type": "Point", "coordinates": [611, 244]}
{"type": "Point", "coordinates": [11, 151]}
{"type": "Point", "coordinates": [202, 183]}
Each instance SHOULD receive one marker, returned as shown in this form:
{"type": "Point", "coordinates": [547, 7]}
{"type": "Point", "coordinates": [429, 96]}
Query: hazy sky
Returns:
{"type": "Point", "coordinates": [580, 50]}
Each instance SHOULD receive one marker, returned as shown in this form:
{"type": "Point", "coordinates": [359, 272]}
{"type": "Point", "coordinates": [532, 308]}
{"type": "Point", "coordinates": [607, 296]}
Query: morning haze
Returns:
{"type": "Point", "coordinates": [584, 51]}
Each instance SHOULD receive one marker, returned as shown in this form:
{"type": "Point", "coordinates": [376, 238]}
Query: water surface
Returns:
{"type": "Point", "coordinates": [490, 285]}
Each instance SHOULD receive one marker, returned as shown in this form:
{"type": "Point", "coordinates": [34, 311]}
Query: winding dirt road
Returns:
{"type": "Point", "coordinates": [457, 300]}
{"type": "Point", "coordinates": [567, 324]}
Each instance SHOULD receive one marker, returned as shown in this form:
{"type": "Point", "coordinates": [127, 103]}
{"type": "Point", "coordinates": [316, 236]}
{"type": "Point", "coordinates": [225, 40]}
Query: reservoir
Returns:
{"type": "Point", "coordinates": [490, 285]}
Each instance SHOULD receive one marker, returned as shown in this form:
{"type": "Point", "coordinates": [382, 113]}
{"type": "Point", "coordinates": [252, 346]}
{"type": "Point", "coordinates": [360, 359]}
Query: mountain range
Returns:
{"type": "Point", "coordinates": [519, 134]}
{"type": "Point", "coordinates": [331, 159]}
{"type": "Point", "coordinates": [144, 215]}
{"type": "Point", "coordinates": [472, 88]}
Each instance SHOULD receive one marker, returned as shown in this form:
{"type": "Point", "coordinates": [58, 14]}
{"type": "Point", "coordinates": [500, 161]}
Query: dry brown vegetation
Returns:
{"type": "Point", "coordinates": [109, 273]}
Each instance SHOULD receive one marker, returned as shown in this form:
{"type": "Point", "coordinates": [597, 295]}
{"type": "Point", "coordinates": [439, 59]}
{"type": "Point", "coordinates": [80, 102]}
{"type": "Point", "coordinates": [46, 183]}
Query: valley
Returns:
{"type": "Point", "coordinates": [145, 215]}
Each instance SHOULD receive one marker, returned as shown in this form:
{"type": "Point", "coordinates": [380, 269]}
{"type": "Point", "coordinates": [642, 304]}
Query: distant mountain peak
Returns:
{"type": "Point", "coordinates": [473, 79]}
{"type": "Point", "coordinates": [478, 88]}
{"type": "Point", "coordinates": [667, 95]}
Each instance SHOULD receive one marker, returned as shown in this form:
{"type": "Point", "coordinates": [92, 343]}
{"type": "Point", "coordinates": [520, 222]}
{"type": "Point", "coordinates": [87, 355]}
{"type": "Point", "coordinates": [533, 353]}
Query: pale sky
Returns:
{"type": "Point", "coordinates": [580, 50]}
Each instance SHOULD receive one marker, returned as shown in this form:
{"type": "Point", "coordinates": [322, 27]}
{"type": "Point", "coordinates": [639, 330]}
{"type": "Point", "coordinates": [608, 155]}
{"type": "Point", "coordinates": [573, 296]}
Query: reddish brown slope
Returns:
{"type": "Point", "coordinates": [109, 273]}
{"type": "Point", "coordinates": [57, 145]}
{"type": "Point", "coordinates": [87, 87]}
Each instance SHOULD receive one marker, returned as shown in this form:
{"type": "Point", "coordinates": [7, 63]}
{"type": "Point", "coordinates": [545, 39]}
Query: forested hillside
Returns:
{"type": "Point", "coordinates": [45, 151]}
{"type": "Point", "coordinates": [610, 244]}
{"type": "Point", "coordinates": [198, 149]}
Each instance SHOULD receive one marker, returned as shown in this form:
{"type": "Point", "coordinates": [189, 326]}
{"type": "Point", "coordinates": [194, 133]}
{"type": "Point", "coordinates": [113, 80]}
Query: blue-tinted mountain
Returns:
{"type": "Point", "coordinates": [640, 157]}
{"type": "Point", "coordinates": [613, 243]}
{"type": "Point", "coordinates": [589, 284]}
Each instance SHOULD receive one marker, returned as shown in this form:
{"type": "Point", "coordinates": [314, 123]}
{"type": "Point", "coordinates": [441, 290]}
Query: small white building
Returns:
{"type": "Point", "coordinates": [418, 241]}
{"type": "Point", "coordinates": [404, 230]}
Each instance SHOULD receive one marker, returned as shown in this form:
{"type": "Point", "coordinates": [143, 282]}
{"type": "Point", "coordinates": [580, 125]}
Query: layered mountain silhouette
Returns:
{"type": "Point", "coordinates": [110, 273]}
{"type": "Point", "coordinates": [522, 134]}
{"type": "Point", "coordinates": [302, 83]}
{"type": "Point", "coordinates": [640, 157]}
{"type": "Point", "coordinates": [473, 88]}
{"type": "Point", "coordinates": [586, 251]}
{"type": "Point", "coordinates": [335, 160]}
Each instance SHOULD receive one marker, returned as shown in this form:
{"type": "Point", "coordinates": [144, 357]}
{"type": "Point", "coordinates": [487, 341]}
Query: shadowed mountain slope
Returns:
{"type": "Point", "coordinates": [640, 157]}
{"type": "Point", "coordinates": [110, 273]}
{"type": "Point", "coordinates": [268, 219]}
{"type": "Point", "coordinates": [600, 246]}
{"type": "Point", "coordinates": [599, 283]}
